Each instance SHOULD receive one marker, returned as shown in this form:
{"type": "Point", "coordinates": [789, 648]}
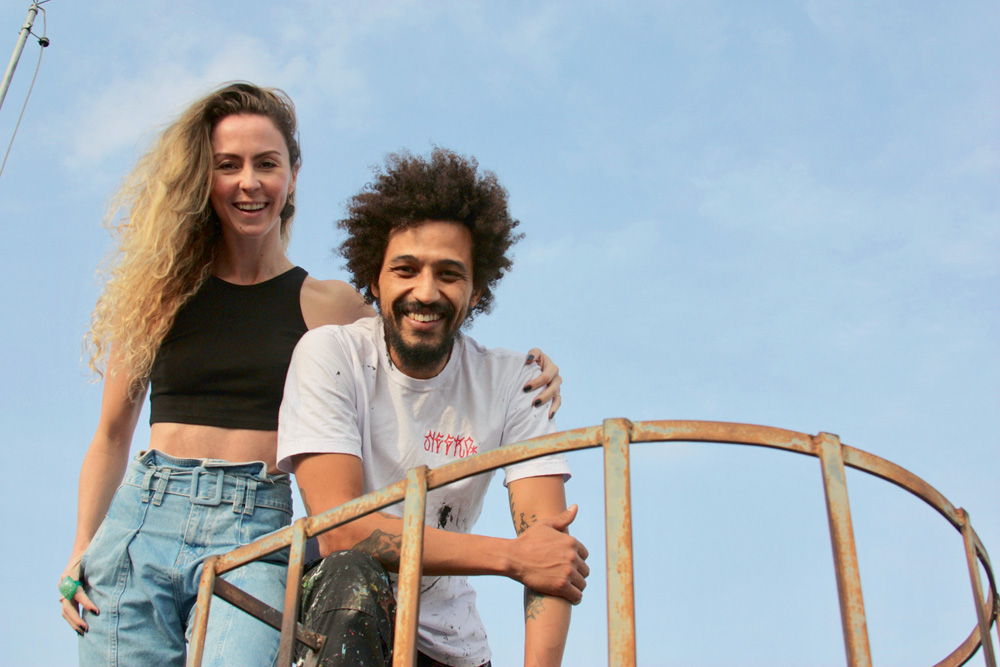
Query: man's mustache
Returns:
{"type": "Point", "coordinates": [402, 308]}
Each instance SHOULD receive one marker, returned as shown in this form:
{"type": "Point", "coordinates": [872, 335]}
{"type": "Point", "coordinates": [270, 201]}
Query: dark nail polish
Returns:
{"type": "Point", "coordinates": [531, 358]}
{"type": "Point", "coordinates": [538, 402]}
{"type": "Point", "coordinates": [527, 388]}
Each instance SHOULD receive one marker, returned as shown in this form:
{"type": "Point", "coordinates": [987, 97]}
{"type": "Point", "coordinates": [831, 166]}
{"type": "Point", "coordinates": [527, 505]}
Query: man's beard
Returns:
{"type": "Point", "coordinates": [427, 353]}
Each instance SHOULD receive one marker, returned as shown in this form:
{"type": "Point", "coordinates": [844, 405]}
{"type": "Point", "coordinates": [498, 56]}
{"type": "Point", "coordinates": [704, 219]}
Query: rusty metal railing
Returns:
{"type": "Point", "coordinates": [614, 436]}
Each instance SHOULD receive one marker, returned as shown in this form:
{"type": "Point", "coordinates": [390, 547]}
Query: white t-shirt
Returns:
{"type": "Point", "coordinates": [343, 395]}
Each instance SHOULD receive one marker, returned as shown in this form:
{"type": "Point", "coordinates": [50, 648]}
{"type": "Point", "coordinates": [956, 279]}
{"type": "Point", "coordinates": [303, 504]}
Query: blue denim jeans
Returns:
{"type": "Point", "coordinates": [143, 566]}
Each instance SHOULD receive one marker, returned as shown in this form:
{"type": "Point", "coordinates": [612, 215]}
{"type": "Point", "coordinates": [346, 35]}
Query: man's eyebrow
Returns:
{"type": "Point", "coordinates": [402, 258]}
{"type": "Point", "coordinates": [453, 263]}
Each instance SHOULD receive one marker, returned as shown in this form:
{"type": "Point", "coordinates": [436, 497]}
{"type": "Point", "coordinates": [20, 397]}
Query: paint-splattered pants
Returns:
{"type": "Point", "coordinates": [347, 597]}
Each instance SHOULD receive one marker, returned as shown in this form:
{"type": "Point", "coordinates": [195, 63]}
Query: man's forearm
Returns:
{"type": "Point", "coordinates": [543, 557]}
{"type": "Point", "coordinates": [546, 624]}
{"type": "Point", "coordinates": [330, 480]}
{"type": "Point", "coordinates": [445, 553]}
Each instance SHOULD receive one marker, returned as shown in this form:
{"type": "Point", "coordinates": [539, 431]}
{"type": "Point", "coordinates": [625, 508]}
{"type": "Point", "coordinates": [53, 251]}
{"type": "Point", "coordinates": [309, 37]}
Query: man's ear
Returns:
{"type": "Point", "coordinates": [374, 288]}
{"type": "Point", "coordinates": [476, 296]}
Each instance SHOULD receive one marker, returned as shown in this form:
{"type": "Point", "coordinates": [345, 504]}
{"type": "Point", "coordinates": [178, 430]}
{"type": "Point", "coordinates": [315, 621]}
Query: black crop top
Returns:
{"type": "Point", "coordinates": [224, 360]}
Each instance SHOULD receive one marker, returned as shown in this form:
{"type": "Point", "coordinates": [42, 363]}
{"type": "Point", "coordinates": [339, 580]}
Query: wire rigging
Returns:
{"type": "Point", "coordinates": [43, 42]}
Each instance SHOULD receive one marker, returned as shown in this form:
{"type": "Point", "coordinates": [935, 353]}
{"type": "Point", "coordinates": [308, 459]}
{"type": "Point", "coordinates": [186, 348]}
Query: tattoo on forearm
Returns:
{"type": "Point", "coordinates": [534, 604]}
{"type": "Point", "coordinates": [522, 521]}
{"type": "Point", "coordinates": [383, 547]}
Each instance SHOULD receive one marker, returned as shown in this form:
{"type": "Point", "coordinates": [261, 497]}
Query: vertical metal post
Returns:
{"type": "Point", "coordinates": [410, 569]}
{"type": "Point", "coordinates": [845, 556]}
{"type": "Point", "coordinates": [293, 591]}
{"type": "Point", "coordinates": [977, 590]}
{"type": "Point", "coordinates": [618, 533]}
{"type": "Point", "coordinates": [21, 39]}
{"type": "Point", "coordinates": [196, 645]}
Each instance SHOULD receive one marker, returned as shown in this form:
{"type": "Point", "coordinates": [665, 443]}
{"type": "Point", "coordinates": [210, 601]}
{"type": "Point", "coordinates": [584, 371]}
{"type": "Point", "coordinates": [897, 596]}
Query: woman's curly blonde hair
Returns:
{"type": "Point", "coordinates": [169, 235]}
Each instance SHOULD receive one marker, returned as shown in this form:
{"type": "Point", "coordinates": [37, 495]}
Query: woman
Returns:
{"type": "Point", "coordinates": [203, 306]}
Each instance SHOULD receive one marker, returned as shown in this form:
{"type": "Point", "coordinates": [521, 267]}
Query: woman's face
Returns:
{"type": "Point", "coordinates": [251, 176]}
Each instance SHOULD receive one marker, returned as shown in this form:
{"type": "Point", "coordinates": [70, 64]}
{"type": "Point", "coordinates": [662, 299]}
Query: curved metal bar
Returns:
{"type": "Point", "coordinates": [903, 478]}
{"type": "Point", "coordinates": [723, 432]}
{"type": "Point", "coordinates": [649, 431]}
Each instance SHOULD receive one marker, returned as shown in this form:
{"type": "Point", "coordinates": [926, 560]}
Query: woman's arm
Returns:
{"type": "Point", "coordinates": [331, 302]}
{"type": "Point", "coordinates": [100, 475]}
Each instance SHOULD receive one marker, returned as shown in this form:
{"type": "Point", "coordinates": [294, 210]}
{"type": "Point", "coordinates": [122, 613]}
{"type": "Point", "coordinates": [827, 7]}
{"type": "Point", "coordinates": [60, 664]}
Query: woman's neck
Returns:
{"type": "Point", "coordinates": [249, 263]}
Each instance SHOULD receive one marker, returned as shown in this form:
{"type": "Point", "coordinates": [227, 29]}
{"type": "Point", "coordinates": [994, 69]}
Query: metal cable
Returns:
{"type": "Point", "coordinates": [41, 49]}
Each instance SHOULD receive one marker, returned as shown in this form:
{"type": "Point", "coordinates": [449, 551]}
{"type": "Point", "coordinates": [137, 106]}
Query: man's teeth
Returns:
{"type": "Point", "coordinates": [425, 317]}
{"type": "Point", "coordinates": [251, 207]}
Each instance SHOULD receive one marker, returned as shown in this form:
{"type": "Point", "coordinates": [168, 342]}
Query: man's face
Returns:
{"type": "Point", "coordinates": [424, 292]}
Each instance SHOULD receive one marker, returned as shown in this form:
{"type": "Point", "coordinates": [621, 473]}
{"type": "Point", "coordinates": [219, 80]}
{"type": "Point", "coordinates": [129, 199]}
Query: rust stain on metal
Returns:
{"type": "Point", "coordinates": [845, 557]}
{"type": "Point", "coordinates": [410, 568]}
{"type": "Point", "coordinates": [196, 644]}
{"type": "Point", "coordinates": [729, 432]}
{"type": "Point", "coordinates": [982, 611]}
{"type": "Point", "coordinates": [618, 530]}
{"type": "Point", "coordinates": [293, 590]}
{"type": "Point", "coordinates": [264, 612]}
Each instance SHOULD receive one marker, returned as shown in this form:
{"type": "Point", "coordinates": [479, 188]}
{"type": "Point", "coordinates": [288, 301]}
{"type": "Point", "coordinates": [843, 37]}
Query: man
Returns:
{"type": "Point", "coordinates": [428, 242]}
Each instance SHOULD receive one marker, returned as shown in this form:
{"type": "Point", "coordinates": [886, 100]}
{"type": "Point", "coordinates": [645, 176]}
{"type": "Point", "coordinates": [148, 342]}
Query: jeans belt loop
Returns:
{"type": "Point", "coordinates": [161, 486]}
{"type": "Point", "coordinates": [147, 479]}
{"type": "Point", "coordinates": [241, 486]}
{"type": "Point", "coordinates": [251, 496]}
{"type": "Point", "coordinates": [195, 477]}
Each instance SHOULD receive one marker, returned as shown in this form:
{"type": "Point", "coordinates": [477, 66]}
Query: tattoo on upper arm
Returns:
{"type": "Point", "coordinates": [534, 604]}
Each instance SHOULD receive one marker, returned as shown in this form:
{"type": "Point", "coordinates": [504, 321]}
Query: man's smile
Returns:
{"type": "Point", "coordinates": [425, 317]}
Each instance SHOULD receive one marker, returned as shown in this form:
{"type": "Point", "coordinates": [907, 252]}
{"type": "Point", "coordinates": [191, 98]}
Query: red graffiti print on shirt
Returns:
{"type": "Point", "coordinates": [450, 445]}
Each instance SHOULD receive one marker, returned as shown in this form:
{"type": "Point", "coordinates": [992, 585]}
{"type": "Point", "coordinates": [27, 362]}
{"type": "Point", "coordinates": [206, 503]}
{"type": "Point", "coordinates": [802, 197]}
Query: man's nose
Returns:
{"type": "Point", "coordinates": [426, 289]}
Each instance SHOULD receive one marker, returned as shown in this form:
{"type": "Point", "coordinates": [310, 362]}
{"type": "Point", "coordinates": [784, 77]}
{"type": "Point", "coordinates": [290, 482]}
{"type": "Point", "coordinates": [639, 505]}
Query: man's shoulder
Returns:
{"type": "Point", "coordinates": [359, 330]}
{"type": "Point", "coordinates": [498, 362]}
{"type": "Point", "coordinates": [479, 352]}
{"type": "Point", "coordinates": [331, 340]}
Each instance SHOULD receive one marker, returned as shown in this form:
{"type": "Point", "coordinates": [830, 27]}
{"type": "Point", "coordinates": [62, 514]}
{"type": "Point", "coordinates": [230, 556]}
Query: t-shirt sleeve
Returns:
{"type": "Point", "coordinates": [524, 422]}
{"type": "Point", "coordinates": [319, 409]}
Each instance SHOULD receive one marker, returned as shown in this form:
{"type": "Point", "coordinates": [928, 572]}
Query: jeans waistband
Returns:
{"type": "Point", "coordinates": [245, 486]}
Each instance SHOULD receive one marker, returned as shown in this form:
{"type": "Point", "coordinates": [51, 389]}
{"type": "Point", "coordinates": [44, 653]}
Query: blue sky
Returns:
{"type": "Point", "coordinates": [780, 213]}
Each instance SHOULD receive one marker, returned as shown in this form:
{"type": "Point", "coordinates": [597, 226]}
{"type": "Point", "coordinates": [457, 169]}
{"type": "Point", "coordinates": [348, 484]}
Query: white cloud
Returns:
{"type": "Point", "coordinates": [116, 115]}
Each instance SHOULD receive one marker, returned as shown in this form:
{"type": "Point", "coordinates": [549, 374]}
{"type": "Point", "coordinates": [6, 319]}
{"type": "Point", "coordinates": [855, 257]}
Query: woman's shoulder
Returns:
{"type": "Point", "coordinates": [331, 302]}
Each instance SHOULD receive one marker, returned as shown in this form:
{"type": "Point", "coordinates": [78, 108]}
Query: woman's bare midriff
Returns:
{"type": "Point", "coordinates": [192, 441]}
